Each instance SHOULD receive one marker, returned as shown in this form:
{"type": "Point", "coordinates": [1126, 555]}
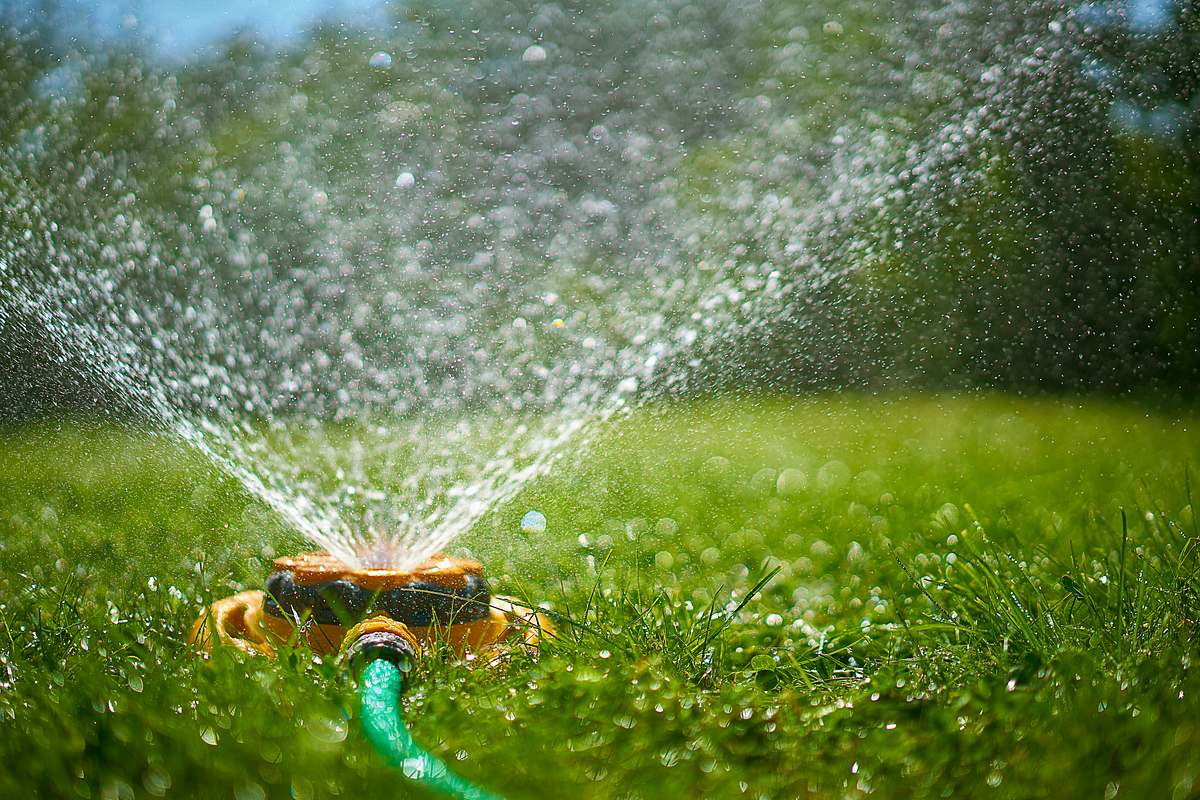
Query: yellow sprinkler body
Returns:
{"type": "Point", "coordinates": [319, 601]}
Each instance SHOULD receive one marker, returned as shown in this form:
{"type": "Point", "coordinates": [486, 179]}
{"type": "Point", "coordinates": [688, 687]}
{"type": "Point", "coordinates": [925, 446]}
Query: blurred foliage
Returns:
{"type": "Point", "coordinates": [1061, 252]}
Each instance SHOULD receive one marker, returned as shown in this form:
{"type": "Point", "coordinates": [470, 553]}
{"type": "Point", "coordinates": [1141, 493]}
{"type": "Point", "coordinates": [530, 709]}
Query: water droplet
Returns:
{"type": "Point", "coordinates": [249, 791]}
{"type": "Point", "coordinates": [534, 54]}
{"type": "Point", "coordinates": [834, 475]}
{"type": "Point", "coordinates": [533, 522]}
{"type": "Point", "coordinates": [948, 515]}
{"type": "Point", "coordinates": [791, 482]}
{"type": "Point", "coordinates": [380, 60]}
{"type": "Point", "coordinates": [157, 781]}
{"type": "Point", "coordinates": [328, 731]}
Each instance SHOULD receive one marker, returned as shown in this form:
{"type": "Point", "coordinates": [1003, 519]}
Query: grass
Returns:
{"type": "Point", "coordinates": [980, 597]}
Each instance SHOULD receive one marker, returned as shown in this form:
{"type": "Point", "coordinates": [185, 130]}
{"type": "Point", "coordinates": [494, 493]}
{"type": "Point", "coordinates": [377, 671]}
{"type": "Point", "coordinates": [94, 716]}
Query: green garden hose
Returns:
{"type": "Point", "coordinates": [380, 686]}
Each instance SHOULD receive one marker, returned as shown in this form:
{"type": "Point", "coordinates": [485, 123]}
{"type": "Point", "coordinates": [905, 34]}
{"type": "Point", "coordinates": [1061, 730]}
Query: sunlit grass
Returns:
{"type": "Point", "coordinates": [981, 597]}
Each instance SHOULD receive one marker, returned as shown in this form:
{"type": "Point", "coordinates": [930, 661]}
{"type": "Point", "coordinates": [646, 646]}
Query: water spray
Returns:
{"type": "Point", "coordinates": [379, 621]}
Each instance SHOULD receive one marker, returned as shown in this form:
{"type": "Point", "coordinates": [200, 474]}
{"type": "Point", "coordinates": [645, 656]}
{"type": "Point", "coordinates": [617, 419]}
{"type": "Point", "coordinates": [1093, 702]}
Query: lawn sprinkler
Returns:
{"type": "Point", "coordinates": [317, 600]}
{"type": "Point", "coordinates": [378, 621]}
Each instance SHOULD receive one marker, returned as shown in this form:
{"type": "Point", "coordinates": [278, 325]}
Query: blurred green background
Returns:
{"type": "Point", "coordinates": [1057, 250]}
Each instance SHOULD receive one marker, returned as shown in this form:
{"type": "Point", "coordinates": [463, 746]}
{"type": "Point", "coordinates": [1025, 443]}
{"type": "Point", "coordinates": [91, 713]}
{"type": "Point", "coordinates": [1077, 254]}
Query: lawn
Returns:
{"type": "Point", "coordinates": [980, 597]}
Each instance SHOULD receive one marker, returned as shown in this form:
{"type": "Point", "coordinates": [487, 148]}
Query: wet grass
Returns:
{"type": "Point", "coordinates": [984, 597]}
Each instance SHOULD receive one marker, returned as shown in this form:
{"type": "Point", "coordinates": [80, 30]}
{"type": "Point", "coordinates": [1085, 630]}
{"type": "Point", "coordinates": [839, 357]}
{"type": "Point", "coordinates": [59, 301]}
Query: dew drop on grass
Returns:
{"type": "Point", "coordinates": [533, 522]}
{"type": "Point", "coordinates": [855, 552]}
{"type": "Point", "coordinates": [791, 482]}
{"type": "Point", "coordinates": [270, 752]}
{"type": "Point", "coordinates": [302, 789]}
{"type": "Point", "coordinates": [867, 486]}
{"type": "Point", "coordinates": [209, 736]}
{"type": "Point", "coordinates": [249, 791]}
{"type": "Point", "coordinates": [534, 54]}
{"type": "Point", "coordinates": [328, 731]}
{"type": "Point", "coordinates": [948, 515]}
{"type": "Point", "coordinates": [762, 481]}
{"type": "Point", "coordinates": [157, 781]}
{"type": "Point", "coordinates": [718, 467]}
{"type": "Point", "coordinates": [833, 476]}
{"type": "Point", "coordinates": [380, 60]}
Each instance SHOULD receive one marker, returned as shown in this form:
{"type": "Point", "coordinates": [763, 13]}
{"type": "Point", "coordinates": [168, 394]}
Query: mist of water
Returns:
{"type": "Point", "coordinates": [493, 237]}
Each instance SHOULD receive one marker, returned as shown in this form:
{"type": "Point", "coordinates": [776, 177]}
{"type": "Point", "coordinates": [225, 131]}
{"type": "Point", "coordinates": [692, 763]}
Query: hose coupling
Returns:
{"type": "Point", "coordinates": [379, 637]}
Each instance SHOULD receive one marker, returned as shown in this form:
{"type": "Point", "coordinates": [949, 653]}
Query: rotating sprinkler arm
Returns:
{"type": "Point", "coordinates": [380, 651]}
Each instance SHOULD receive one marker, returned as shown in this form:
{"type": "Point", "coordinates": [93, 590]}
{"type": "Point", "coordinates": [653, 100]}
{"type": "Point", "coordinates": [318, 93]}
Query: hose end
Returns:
{"type": "Point", "coordinates": [378, 638]}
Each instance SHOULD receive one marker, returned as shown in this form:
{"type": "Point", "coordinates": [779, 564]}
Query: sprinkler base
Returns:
{"type": "Point", "coordinates": [315, 600]}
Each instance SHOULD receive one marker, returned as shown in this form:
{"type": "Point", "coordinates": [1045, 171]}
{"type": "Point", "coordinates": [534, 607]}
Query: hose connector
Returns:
{"type": "Point", "coordinates": [376, 638]}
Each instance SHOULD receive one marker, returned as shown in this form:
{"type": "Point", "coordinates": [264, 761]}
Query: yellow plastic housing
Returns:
{"type": "Point", "coordinates": [256, 624]}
